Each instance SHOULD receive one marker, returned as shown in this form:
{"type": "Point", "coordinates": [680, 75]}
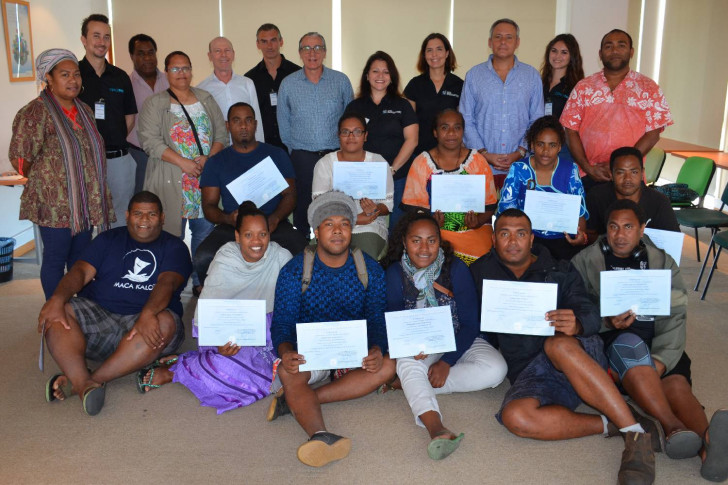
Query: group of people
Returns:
{"type": "Point", "coordinates": [92, 164]}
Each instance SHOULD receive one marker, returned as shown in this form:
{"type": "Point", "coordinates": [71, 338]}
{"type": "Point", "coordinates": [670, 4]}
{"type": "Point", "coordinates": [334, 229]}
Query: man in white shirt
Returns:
{"type": "Point", "coordinates": [227, 87]}
{"type": "Point", "coordinates": [146, 79]}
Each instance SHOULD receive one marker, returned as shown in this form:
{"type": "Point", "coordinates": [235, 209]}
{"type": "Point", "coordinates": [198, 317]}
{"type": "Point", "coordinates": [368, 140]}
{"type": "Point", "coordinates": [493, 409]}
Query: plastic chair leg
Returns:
{"type": "Point", "coordinates": [710, 275]}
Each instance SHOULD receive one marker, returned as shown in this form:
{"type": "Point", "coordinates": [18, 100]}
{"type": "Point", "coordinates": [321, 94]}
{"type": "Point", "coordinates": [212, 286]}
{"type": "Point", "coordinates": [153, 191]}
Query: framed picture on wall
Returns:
{"type": "Point", "coordinates": [18, 40]}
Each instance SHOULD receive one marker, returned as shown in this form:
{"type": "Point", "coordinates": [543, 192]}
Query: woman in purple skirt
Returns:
{"type": "Point", "coordinates": [230, 376]}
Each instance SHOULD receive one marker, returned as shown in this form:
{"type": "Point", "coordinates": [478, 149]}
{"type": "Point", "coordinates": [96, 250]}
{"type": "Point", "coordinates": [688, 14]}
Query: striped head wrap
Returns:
{"type": "Point", "coordinates": [48, 59]}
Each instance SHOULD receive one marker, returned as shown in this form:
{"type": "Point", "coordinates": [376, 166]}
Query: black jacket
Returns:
{"type": "Point", "coordinates": [519, 350]}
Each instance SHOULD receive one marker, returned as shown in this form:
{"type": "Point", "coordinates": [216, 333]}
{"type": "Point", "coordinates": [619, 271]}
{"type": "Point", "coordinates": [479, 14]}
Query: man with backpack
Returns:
{"type": "Point", "coordinates": [329, 282]}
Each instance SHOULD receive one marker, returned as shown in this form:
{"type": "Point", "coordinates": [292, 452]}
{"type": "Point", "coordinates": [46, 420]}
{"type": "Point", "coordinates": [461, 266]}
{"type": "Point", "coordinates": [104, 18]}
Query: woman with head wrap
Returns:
{"type": "Point", "coordinates": [56, 145]}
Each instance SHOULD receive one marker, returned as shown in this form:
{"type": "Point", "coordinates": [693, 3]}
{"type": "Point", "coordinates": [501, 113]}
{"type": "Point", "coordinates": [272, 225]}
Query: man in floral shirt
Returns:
{"type": "Point", "coordinates": [613, 108]}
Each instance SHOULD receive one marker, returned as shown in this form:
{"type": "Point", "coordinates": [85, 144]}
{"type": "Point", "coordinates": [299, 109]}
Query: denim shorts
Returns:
{"type": "Point", "coordinates": [542, 381]}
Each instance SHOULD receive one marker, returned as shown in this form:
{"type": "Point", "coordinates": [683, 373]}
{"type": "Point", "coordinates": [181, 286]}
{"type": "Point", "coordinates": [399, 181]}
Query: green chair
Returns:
{"type": "Point", "coordinates": [654, 161]}
{"type": "Point", "coordinates": [697, 217]}
{"type": "Point", "coordinates": [721, 239]}
{"type": "Point", "coordinates": [696, 172]}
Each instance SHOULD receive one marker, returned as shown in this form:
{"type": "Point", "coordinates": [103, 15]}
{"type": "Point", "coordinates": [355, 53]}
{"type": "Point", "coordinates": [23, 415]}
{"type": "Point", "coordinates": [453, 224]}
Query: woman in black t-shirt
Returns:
{"type": "Point", "coordinates": [392, 129]}
{"type": "Point", "coordinates": [436, 88]}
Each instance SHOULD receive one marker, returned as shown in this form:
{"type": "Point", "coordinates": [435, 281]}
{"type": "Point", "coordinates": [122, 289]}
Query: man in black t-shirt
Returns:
{"type": "Point", "coordinates": [128, 310]}
{"type": "Point", "coordinates": [108, 91]}
{"type": "Point", "coordinates": [267, 76]}
{"type": "Point", "coordinates": [628, 183]}
{"type": "Point", "coordinates": [647, 353]}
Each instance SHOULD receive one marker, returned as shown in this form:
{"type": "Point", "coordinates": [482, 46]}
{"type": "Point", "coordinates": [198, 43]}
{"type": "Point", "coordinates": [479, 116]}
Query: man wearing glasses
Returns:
{"type": "Point", "coordinates": [310, 103]}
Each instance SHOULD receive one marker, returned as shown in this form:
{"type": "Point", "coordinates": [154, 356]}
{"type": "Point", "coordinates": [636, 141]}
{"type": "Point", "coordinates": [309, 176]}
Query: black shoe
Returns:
{"type": "Point", "coordinates": [278, 406]}
{"type": "Point", "coordinates": [323, 448]}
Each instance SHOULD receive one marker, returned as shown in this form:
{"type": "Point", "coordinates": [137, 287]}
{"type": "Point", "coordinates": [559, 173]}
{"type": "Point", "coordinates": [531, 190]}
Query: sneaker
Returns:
{"type": "Point", "coordinates": [638, 460]}
{"type": "Point", "coordinates": [278, 406]}
{"type": "Point", "coordinates": [323, 448]}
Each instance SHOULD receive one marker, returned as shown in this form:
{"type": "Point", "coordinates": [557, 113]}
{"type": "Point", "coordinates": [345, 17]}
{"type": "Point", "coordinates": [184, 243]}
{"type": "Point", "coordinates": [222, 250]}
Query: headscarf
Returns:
{"type": "Point", "coordinates": [423, 278]}
{"type": "Point", "coordinates": [74, 156]}
{"type": "Point", "coordinates": [48, 59]}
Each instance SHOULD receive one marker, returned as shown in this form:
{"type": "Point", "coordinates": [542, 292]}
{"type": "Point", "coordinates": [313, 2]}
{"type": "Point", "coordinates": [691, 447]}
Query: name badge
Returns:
{"type": "Point", "coordinates": [274, 99]}
{"type": "Point", "coordinates": [549, 109]}
{"type": "Point", "coordinates": [100, 110]}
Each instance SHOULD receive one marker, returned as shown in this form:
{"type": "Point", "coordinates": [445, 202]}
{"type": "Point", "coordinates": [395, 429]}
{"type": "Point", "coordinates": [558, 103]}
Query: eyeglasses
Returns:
{"type": "Point", "coordinates": [357, 132]}
{"type": "Point", "coordinates": [315, 48]}
{"type": "Point", "coordinates": [184, 69]}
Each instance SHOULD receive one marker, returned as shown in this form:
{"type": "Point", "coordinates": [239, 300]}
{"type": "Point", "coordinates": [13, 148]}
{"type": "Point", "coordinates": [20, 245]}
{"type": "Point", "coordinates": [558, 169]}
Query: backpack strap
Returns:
{"type": "Point", "coordinates": [361, 266]}
{"type": "Point", "coordinates": [309, 254]}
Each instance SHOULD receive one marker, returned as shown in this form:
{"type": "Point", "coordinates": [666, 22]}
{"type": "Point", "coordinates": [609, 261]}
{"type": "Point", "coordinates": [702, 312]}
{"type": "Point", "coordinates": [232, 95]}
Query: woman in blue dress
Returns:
{"type": "Point", "coordinates": [545, 171]}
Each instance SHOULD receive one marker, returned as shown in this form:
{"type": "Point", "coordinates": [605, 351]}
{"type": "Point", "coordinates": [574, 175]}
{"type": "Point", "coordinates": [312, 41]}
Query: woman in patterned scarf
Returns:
{"type": "Point", "coordinates": [422, 273]}
{"type": "Point", "coordinates": [56, 145]}
{"type": "Point", "coordinates": [469, 233]}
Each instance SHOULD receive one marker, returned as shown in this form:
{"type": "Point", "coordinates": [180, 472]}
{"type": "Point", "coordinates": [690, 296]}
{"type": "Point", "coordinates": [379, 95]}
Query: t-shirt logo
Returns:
{"type": "Point", "coordinates": [140, 270]}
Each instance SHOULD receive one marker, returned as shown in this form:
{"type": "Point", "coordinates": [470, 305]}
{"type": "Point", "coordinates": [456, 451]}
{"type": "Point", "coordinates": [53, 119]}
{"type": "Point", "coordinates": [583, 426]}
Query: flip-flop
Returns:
{"type": "Point", "coordinates": [93, 399]}
{"type": "Point", "coordinates": [440, 448]}
{"type": "Point", "coordinates": [683, 444]}
{"type": "Point", "coordinates": [715, 466]}
{"type": "Point", "coordinates": [66, 389]}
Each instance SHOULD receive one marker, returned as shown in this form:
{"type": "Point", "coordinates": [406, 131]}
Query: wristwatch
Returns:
{"type": "Point", "coordinates": [522, 152]}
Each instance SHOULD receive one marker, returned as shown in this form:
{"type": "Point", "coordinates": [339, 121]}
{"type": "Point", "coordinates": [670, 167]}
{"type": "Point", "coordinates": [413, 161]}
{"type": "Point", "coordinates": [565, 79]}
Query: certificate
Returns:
{"type": "Point", "coordinates": [259, 184]}
{"type": "Point", "coordinates": [553, 212]}
{"type": "Point", "coordinates": [457, 193]}
{"type": "Point", "coordinates": [645, 292]}
{"type": "Point", "coordinates": [669, 241]}
{"type": "Point", "coordinates": [241, 322]}
{"type": "Point", "coordinates": [332, 345]}
{"type": "Point", "coordinates": [361, 179]}
{"type": "Point", "coordinates": [427, 330]}
{"type": "Point", "coordinates": [517, 307]}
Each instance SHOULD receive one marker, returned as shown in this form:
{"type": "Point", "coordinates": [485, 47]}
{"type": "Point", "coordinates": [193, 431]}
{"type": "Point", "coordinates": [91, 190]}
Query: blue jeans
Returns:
{"type": "Point", "coordinates": [200, 229]}
{"type": "Point", "coordinates": [397, 212]}
{"type": "Point", "coordinates": [60, 252]}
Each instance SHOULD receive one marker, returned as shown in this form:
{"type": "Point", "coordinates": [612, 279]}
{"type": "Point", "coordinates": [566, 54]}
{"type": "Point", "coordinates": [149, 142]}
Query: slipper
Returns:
{"type": "Point", "coordinates": [683, 443]}
{"type": "Point", "coordinates": [715, 466]}
{"type": "Point", "coordinates": [323, 448]}
{"type": "Point", "coordinates": [66, 389]}
{"type": "Point", "coordinates": [440, 448]}
{"type": "Point", "coordinates": [93, 399]}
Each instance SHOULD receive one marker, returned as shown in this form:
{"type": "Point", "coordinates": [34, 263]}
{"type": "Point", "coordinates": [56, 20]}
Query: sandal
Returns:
{"type": "Point", "coordinates": [389, 386]}
{"type": "Point", "coordinates": [141, 385]}
{"type": "Point", "coordinates": [715, 466]}
{"type": "Point", "coordinates": [66, 389]}
{"type": "Point", "coordinates": [93, 399]}
{"type": "Point", "coordinates": [440, 448]}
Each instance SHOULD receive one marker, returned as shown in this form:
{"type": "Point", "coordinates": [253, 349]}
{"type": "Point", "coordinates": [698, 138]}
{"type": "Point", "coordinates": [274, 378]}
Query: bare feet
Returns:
{"type": "Point", "coordinates": [392, 385]}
